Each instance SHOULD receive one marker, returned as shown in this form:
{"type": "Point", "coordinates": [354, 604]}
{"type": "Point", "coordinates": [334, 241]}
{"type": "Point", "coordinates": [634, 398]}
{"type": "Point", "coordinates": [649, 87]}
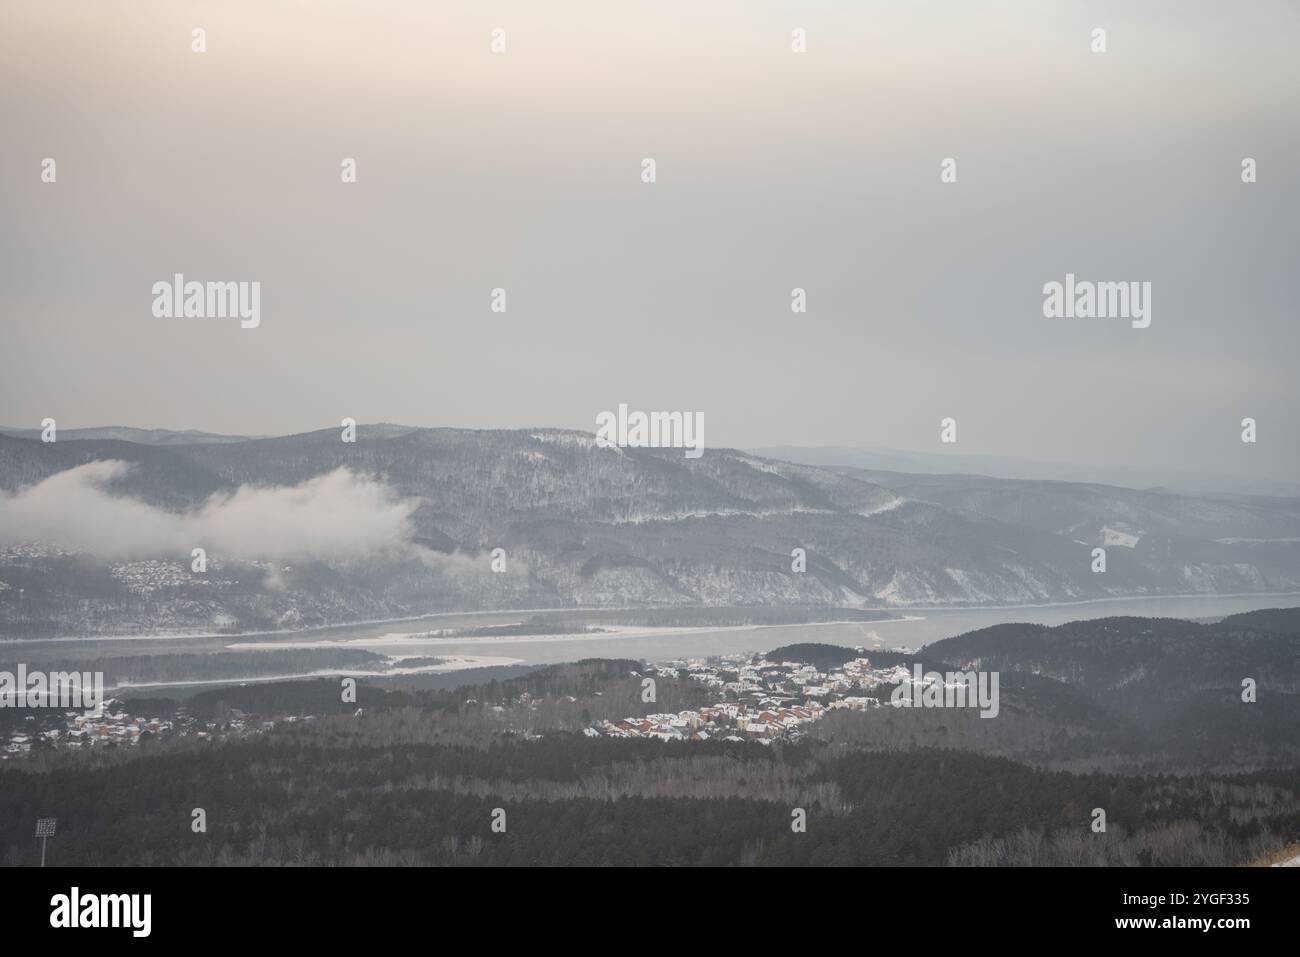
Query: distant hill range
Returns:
{"type": "Point", "coordinates": [122, 433]}
{"type": "Point", "coordinates": [1217, 693]}
{"type": "Point", "coordinates": [949, 463]}
{"type": "Point", "coordinates": [628, 527]}
{"type": "Point", "coordinates": [1117, 694]}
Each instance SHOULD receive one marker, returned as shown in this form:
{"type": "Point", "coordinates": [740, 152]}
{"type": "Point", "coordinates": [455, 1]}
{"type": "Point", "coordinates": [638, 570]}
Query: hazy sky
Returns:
{"type": "Point", "coordinates": [774, 170]}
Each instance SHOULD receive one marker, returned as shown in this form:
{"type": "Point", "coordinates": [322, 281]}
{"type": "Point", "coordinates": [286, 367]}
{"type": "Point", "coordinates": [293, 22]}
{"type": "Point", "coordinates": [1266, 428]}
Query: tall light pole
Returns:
{"type": "Point", "coordinates": [44, 830]}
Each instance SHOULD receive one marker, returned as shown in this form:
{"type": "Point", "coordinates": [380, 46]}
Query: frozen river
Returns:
{"type": "Point", "coordinates": [921, 627]}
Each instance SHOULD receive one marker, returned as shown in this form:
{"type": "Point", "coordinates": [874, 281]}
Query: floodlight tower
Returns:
{"type": "Point", "coordinates": [45, 830]}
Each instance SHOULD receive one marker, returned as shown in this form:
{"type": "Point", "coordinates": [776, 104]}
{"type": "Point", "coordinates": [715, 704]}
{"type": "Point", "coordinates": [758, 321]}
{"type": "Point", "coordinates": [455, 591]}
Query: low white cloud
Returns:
{"type": "Point", "coordinates": [336, 516]}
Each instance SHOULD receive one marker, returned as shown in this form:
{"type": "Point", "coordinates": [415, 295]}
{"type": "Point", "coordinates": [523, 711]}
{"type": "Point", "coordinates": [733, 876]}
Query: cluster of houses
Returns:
{"type": "Point", "coordinates": [761, 700]}
{"type": "Point", "coordinates": [112, 725]}
{"type": "Point", "coordinates": [147, 577]}
{"type": "Point", "coordinates": [755, 699]}
{"type": "Point", "coordinates": [21, 550]}
{"type": "Point", "coordinates": [727, 721]}
{"type": "Point", "coordinates": [79, 729]}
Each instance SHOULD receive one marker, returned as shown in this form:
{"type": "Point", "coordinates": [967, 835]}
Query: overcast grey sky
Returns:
{"type": "Point", "coordinates": [775, 170]}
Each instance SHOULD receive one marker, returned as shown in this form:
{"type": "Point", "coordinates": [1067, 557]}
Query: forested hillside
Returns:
{"type": "Point", "coordinates": [580, 525]}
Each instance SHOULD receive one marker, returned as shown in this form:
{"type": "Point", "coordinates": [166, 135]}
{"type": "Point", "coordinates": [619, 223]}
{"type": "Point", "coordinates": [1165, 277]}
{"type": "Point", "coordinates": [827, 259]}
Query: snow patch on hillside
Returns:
{"type": "Point", "coordinates": [571, 440]}
{"type": "Point", "coordinates": [1120, 537]}
{"type": "Point", "coordinates": [643, 518]}
{"type": "Point", "coordinates": [897, 502]}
